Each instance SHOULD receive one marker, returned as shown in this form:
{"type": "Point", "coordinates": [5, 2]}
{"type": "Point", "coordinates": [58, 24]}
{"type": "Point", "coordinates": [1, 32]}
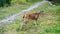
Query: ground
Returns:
{"type": "Point", "coordinates": [49, 23]}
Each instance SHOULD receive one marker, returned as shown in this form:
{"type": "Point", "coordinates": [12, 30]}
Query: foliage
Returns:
{"type": "Point", "coordinates": [18, 1]}
{"type": "Point", "coordinates": [3, 2]}
{"type": "Point", "coordinates": [14, 2]}
{"type": "Point", "coordinates": [57, 1]}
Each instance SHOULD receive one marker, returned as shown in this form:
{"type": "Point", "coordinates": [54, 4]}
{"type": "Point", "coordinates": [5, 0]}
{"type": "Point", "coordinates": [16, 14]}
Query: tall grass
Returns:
{"type": "Point", "coordinates": [49, 23]}
{"type": "Point", "coordinates": [8, 11]}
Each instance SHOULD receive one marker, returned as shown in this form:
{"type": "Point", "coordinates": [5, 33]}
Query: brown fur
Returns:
{"type": "Point", "coordinates": [33, 16]}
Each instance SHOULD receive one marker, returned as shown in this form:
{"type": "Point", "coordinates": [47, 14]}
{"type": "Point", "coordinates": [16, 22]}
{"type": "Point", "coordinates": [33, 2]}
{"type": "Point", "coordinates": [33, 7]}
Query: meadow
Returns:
{"type": "Point", "coordinates": [15, 8]}
{"type": "Point", "coordinates": [49, 23]}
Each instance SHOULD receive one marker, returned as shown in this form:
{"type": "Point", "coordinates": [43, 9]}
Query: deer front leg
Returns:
{"type": "Point", "coordinates": [23, 24]}
{"type": "Point", "coordinates": [35, 23]}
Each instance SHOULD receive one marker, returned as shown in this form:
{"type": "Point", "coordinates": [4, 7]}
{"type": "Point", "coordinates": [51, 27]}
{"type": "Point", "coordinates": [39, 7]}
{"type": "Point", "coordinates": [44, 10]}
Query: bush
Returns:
{"type": "Point", "coordinates": [4, 2]}
{"type": "Point", "coordinates": [18, 1]}
{"type": "Point", "coordinates": [57, 1]}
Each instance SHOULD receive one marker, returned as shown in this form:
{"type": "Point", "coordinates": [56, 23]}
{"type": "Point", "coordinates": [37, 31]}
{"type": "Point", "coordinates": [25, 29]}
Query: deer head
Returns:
{"type": "Point", "coordinates": [41, 12]}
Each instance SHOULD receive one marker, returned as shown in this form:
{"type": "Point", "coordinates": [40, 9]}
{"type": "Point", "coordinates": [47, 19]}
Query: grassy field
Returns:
{"type": "Point", "coordinates": [5, 12]}
{"type": "Point", "coordinates": [49, 23]}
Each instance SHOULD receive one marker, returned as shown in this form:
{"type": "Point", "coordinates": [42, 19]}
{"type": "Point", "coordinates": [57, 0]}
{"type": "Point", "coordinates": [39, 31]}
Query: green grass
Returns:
{"type": "Point", "coordinates": [49, 23]}
{"type": "Point", "coordinates": [9, 11]}
{"type": "Point", "coordinates": [5, 12]}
